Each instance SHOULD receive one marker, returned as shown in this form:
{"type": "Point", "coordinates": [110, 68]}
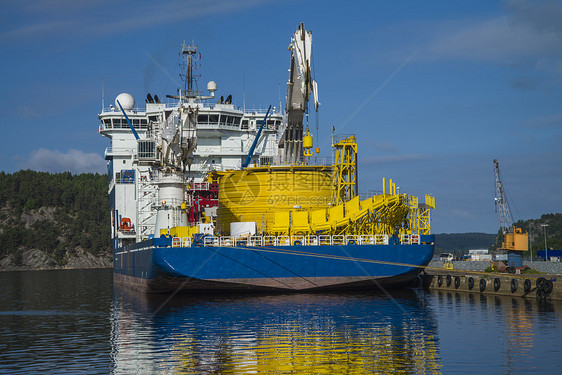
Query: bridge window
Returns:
{"type": "Point", "coordinates": [213, 119]}
{"type": "Point", "coordinates": [146, 150]}
{"type": "Point", "coordinates": [203, 119]}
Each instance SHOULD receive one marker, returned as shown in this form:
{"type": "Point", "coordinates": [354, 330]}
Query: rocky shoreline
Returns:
{"type": "Point", "coordinates": [34, 259]}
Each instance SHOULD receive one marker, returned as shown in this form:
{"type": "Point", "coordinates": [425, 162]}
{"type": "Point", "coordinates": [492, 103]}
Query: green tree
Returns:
{"type": "Point", "coordinates": [81, 213]}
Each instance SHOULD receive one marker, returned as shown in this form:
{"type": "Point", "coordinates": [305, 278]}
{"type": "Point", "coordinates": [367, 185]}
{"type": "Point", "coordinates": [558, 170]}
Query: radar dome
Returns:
{"type": "Point", "coordinates": [126, 100]}
{"type": "Point", "coordinates": [212, 86]}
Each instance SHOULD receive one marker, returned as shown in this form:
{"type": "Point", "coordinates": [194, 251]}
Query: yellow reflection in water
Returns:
{"type": "Point", "coordinates": [288, 349]}
{"type": "Point", "coordinates": [519, 324]}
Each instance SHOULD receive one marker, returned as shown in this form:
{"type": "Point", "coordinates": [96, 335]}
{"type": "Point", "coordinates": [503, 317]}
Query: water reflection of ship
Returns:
{"type": "Point", "coordinates": [330, 333]}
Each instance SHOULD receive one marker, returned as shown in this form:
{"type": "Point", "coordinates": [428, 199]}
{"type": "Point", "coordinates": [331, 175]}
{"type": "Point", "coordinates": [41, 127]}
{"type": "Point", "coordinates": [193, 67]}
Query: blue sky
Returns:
{"type": "Point", "coordinates": [434, 90]}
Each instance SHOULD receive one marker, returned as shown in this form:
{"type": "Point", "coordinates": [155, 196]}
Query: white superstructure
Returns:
{"type": "Point", "coordinates": [144, 178]}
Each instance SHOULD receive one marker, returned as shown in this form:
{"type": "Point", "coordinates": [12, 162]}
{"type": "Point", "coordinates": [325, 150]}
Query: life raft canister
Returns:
{"type": "Point", "coordinates": [125, 224]}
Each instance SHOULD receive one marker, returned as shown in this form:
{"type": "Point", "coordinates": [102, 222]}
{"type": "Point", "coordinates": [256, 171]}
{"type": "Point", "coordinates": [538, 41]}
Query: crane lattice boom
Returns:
{"type": "Point", "coordinates": [501, 203]}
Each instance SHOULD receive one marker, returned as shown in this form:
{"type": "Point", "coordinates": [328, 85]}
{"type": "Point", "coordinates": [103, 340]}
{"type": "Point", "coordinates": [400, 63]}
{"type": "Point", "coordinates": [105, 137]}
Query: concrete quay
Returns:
{"type": "Point", "coordinates": [544, 286]}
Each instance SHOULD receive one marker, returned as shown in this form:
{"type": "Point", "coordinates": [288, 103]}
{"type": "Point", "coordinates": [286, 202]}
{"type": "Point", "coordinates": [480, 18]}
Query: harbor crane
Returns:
{"type": "Point", "coordinates": [514, 240]}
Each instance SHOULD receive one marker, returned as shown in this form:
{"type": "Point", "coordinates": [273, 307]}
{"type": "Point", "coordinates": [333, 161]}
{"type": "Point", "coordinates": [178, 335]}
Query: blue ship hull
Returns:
{"type": "Point", "coordinates": [154, 265]}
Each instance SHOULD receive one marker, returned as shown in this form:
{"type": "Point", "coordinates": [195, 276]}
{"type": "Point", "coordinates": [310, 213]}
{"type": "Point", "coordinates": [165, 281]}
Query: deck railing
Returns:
{"type": "Point", "coordinates": [310, 240]}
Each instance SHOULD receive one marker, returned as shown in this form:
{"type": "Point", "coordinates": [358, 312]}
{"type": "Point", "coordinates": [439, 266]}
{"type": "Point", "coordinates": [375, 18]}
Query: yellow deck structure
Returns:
{"type": "Point", "coordinates": [308, 199]}
{"type": "Point", "coordinates": [266, 195]}
{"type": "Point", "coordinates": [345, 179]}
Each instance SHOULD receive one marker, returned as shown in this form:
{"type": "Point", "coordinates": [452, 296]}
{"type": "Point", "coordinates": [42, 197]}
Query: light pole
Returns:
{"type": "Point", "coordinates": [545, 248]}
{"type": "Point", "coordinates": [531, 241]}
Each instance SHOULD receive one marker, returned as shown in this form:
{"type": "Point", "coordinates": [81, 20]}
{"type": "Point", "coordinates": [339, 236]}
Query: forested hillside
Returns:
{"type": "Point", "coordinates": [58, 214]}
{"type": "Point", "coordinates": [460, 243]}
{"type": "Point", "coordinates": [552, 229]}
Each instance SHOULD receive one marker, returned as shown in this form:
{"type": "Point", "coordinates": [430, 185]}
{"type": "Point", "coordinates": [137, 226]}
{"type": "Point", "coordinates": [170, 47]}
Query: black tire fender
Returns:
{"type": "Point", "coordinates": [482, 285]}
{"type": "Point", "coordinates": [470, 283]}
{"type": "Point", "coordinates": [457, 282]}
{"type": "Point", "coordinates": [439, 280]}
{"type": "Point", "coordinates": [540, 282]}
{"type": "Point", "coordinates": [514, 285]}
{"type": "Point", "coordinates": [449, 279]}
{"type": "Point", "coordinates": [527, 285]}
{"type": "Point", "coordinates": [548, 286]}
{"type": "Point", "coordinates": [497, 284]}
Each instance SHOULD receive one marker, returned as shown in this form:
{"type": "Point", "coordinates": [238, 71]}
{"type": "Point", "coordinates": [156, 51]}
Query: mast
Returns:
{"type": "Point", "coordinates": [189, 64]}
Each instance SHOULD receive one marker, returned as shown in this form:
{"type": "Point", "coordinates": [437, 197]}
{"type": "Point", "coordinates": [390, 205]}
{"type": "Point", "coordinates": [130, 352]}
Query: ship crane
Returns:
{"type": "Point", "coordinates": [299, 88]}
{"type": "Point", "coordinates": [176, 132]}
{"type": "Point", "coordinates": [514, 240]}
{"type": "Point", "coordinates": [177, 137]}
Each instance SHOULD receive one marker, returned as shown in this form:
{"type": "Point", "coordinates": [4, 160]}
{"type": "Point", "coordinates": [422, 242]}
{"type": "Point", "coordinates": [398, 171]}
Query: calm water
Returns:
{"type": "Point", "coordinates": [76, 322]}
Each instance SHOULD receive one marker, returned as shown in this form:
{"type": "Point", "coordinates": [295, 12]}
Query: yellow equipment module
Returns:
{"type": "Point", "coordinates": [516, 240]}
{"type": "Point", "coordinates": [258, 193]}
{"type": "Point", "coordinates": [182, 231]}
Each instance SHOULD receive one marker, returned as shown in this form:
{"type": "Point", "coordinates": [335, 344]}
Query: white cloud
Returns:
{"type": "Point", "coordinates": [529, 34]}
{"type": "Point", "coordinates": [109, 18]}
{"type": "Point", "coordinates": [523, 83]}
{"type": "Point", "coordinates": [393, 158]}
{"type": "Point", "coordinates": [75, 161]}
{"type": "Point", "coordinates": [27, 112]}
{"type": "Point", "coordinates": [385, 146]}
{"type": "Point", "coordinates": [544, 122]}
{"type": "Point", "coordinates": [497, 40]}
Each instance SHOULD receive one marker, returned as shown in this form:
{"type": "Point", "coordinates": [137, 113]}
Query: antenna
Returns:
{"type": "Point", "coordinates": [243, 92]}
{"type": "Point", "coordinates": [102, 95]}
{"type": "Point", "coordinates": [279, 93]}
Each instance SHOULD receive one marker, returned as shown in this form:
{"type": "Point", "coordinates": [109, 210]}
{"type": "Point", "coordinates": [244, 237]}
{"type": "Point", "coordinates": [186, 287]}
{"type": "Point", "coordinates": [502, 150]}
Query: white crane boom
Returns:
{"type": "Point", "coordinates": [299, 88]}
